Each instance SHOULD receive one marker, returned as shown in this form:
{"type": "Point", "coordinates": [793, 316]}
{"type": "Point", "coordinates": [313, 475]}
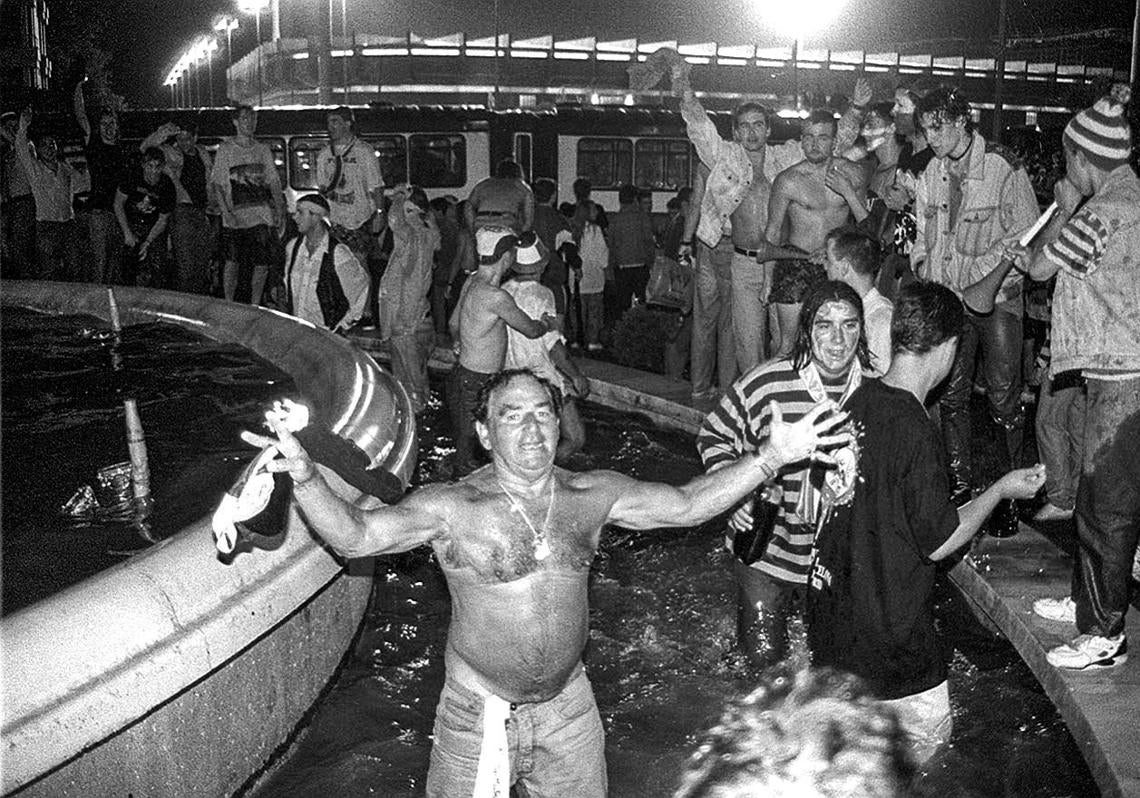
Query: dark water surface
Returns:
{"type": "Point", "coordinates": [662, 626]}
{"type": "Point", "coordinates": [63, 420]}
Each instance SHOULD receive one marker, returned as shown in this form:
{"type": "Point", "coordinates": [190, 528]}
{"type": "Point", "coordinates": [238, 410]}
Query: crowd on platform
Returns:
{"type": "Point", "coordinates": [879, 264]}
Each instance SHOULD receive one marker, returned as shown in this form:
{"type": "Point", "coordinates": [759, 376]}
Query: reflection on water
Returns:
{"type": "Point", "coordinates": [63, 421]}
{"type": "Point", "coordinates": [662, 625]}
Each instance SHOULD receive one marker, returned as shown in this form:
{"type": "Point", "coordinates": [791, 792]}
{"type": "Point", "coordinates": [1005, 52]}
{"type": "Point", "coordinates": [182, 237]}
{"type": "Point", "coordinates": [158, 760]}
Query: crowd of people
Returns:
{"type": "Point", "coordinates": [845, 295]}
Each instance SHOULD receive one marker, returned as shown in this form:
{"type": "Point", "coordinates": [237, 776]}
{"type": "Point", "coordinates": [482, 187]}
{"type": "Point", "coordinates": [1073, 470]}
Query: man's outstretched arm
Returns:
{"type": "Point", "coordinates": [350, 530]}
{"type": "Point", "coordinates": [647, 505]}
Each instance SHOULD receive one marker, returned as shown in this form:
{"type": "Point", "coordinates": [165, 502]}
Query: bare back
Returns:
{"type": "Point", "coordinates": [482, 331]}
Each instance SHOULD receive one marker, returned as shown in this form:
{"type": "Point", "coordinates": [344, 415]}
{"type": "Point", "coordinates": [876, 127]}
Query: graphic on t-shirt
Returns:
{"type": "Point", "coordinates": [839, 481]}
{"type": "Point", "coordinates": [248, 186]}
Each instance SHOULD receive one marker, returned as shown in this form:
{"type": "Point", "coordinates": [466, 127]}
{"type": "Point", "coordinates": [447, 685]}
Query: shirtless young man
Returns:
{"type": "Point", "coordinates": [814, 197]}
{"type": "Point", "coordinates": [736, 192]}
{"type": "Point", "coordinates": [515, 541]}
{"type": "Point", "coordinates": [479, 328]}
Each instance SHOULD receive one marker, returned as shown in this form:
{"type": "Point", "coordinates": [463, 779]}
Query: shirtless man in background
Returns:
{"type": "Point", "coordinates": [736, 195]}
{"type": "Point", "coordinates": [515, 541]}
{"type": "Point", "coordinates": [502, 200]}
{"type": "Point", "coordinates": [814, 197]}
{"type": "Point", "coordinates": [479, 328]}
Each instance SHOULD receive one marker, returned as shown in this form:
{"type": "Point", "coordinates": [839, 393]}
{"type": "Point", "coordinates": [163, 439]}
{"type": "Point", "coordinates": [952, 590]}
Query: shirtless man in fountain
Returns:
{"type": "Point", "coordinates": [814, 196]}
{"type": "Point", "coordinates": [515, 541]}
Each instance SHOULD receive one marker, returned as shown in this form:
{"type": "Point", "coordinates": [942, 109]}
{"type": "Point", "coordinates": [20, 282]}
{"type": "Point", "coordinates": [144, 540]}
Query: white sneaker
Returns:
{"type": "Point", "coordinates": [1062, 609]}
{"type": "Point", "coordinates": [1090, 651]}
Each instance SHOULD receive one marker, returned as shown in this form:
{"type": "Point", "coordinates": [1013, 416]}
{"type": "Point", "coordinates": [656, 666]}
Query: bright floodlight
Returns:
{"type": "Point", "coordinates": [800, 18]}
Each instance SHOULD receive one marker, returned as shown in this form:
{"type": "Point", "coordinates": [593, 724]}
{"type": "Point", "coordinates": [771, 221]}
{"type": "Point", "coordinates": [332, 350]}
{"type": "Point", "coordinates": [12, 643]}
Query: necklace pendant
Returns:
{"type": "Point", "coordinates": [541, 550]}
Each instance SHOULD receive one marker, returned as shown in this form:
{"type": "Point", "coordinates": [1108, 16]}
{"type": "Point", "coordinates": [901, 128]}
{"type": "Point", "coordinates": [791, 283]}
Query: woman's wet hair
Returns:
{"type": "Point", "coordinates": [816, 298]}
{"type": "Point", "coordinates": [503, 379]}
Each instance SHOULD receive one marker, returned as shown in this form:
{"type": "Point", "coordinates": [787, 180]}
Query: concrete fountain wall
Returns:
{"type": "Point", "coordinates": [172, 674]}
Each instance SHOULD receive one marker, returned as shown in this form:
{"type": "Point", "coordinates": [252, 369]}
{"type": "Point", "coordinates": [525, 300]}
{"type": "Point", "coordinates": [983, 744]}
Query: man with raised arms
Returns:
{"type": "Point", "coordinates": [515, 541]}
{"type": "Point", "coordinates": [736, 197]}
{"type": "Point", "coordinates": [479, 329]}
{"type": "Point", "coordinates": [813, 197]}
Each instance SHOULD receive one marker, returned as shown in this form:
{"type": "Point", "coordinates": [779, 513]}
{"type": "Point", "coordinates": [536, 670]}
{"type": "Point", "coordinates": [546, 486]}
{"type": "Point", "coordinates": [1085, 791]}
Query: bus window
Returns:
{"type": "Point", "coordinates": [606, 163]}
{"type": "Point", "coordinates": [662, 164]}
{"type": "Point", "coordinates": [393, 156]}
{"type": "Point", "coordinates": [522, 152]}
{"type": "Point", "coordinates": [438, 160]}
{"type": "Point", "coordinates": [303, 154]}
{"type": "Point", "coordinates": [277, 148]}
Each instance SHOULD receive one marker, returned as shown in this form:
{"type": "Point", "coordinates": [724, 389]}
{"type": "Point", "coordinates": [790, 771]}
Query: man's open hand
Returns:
{"type": "Point", "coordinates": [807, 437]}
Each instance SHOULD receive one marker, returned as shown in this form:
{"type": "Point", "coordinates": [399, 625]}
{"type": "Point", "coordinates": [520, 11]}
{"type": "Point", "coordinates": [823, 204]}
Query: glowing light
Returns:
{"type": "Point", "coordinates": [796, 20]}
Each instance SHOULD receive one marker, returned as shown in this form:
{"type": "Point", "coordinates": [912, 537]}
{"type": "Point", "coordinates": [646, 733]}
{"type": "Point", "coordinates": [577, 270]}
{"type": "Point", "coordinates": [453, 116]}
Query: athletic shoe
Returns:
{"type": "Point", "coordinates": [1090, 651]}
{"type": "Point", "coordinates": [1051, 512]}
{"type": "Point", "coordinates": [1062, 609]}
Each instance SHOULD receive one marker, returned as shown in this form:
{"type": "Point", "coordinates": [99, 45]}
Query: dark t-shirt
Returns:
{"type": "Point", "coordinates": [146, 202]}
{"type": "Point", "coordinates": [914, 163]}
{"type": "Point", "coordinates": [107, 165]}
{"type": "Point", "coordinates": [870, 604]}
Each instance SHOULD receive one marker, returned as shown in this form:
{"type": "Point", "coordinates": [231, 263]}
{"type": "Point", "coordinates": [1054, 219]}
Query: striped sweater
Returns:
{"type": "Point", "coordinates": [739, 424]}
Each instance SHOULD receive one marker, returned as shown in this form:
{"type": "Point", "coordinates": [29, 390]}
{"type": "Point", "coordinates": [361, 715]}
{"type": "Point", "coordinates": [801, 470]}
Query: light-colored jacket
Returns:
{"type": "Point", "coordinates": [1096, 309]}
{"type": "Point", "coordinates": [730, 170]}
{"type": "Point", "coordinates": [998, 204]}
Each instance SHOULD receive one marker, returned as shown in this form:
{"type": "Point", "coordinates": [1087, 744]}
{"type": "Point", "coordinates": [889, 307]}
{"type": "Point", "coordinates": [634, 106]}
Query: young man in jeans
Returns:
{"type": "Point", "coordinates": [1096, 330]}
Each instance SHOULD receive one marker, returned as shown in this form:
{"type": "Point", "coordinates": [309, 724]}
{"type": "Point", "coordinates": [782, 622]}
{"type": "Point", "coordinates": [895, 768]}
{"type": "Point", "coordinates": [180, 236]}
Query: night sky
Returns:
{"type": "Point", "coordinates": [147, 35]}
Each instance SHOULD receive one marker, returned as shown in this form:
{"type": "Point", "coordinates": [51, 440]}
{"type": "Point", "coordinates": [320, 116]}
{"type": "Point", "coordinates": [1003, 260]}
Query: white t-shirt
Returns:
{"type": "Point", "coordinates": [351, 199]}
{"type": "Point", "coordinates": [877, 313]}
{"type": "Point", "coordinates": [534, 299]}
{"type": "Point", "coordinates": [248, 179]}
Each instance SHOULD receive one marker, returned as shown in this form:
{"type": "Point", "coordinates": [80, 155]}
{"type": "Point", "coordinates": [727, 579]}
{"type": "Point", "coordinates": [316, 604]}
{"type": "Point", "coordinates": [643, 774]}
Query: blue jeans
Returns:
{"type": "Point", "coordinates": [556, 747]}
{"type": "Point", "coordinates": [1061, 439]}
{"type": "Point", "coordinates": [713, 343]}
{"type": "Point", "coordinates": [1108, 506]}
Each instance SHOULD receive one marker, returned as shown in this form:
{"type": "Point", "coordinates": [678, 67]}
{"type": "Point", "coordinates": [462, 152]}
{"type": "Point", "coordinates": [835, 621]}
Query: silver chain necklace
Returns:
{"type": "Point", "coordinates": [541, 547]}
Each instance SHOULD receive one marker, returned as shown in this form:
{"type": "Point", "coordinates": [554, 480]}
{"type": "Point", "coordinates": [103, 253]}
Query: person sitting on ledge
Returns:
{"type": "Point", "coordinates": [515, 541]}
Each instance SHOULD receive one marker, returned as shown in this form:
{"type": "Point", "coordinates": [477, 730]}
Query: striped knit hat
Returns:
{"type": "Point", "coordinates": [1102, 132]}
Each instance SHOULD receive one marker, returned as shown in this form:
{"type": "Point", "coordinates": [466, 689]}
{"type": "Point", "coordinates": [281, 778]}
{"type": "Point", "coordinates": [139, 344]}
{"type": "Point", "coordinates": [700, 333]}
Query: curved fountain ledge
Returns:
{"type": "Point", "coordinates": [1001, 579]}
{"type": "Point", "coordinates": [171, 673]}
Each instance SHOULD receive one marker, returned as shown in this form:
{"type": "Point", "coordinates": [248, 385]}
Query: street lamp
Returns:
{"type": "Point", "coordinates": [255, 7]}
{"type": "Point", "coordinates": [796, 21]}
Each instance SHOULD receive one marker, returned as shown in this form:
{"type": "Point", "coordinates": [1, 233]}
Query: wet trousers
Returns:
{"type": "Point", "coordinates": [1108, 506]}
{"type": "Point", "coordinates": [713, 344]}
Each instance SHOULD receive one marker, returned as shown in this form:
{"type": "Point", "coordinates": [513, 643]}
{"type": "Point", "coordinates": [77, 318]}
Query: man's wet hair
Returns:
{"type": "Point", "coordinates": [820, 116]}
{"type": "Point", "coordinates": [582, 187]}
{"type": "Point", "coordinates": [544, 188]}
{"type": "Point", "coordinates": [237, 110]}
{"type": "Point", "coordinates": [818, 733]}
{"type": "Point", "coordinates": [816, 298]}
{"type": "Point", "coordinates": [751, 107]}
{"type": "Point", "coordinates": [627, 194]}
{"type": "Point", "coordinates": [508, 168]}
{"type": "Point", "coordinates": [860, 250]}
{"type": "Point", "coordinates": [926, 315]}
{"type": "Point", "coordinates": [153, 155]}
{"type": "Point", "coordinates": [502, 380]}
{"type": "Point", "coordinates": [345, 113]}
{"type": "Point", "coordinates": [946, 104]}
